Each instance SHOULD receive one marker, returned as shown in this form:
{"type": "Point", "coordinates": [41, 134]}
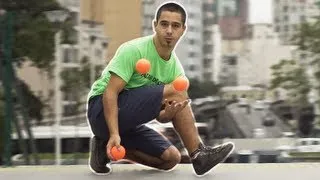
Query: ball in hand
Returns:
{"type": "Point", "coordinates": [118, 153]}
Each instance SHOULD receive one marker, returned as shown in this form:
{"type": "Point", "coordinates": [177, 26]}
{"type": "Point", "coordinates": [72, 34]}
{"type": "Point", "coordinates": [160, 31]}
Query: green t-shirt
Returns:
{"type": "Point", "coordinates": [124, 61]}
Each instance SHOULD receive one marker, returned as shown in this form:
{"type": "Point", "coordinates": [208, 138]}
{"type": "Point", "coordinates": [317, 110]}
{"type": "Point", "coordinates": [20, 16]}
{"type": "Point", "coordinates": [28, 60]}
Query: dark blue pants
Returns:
{"type": "Point", "coordinates": [136, 107]}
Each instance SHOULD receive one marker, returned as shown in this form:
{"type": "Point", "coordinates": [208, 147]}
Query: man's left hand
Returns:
{"type": "Point", "coordinates": [171, 109]}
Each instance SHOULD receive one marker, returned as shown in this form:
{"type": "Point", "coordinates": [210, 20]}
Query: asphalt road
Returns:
{"type": "Point", "coordinates": [279, 171]}
{"type": "Point", "coordinates": [253, 120]}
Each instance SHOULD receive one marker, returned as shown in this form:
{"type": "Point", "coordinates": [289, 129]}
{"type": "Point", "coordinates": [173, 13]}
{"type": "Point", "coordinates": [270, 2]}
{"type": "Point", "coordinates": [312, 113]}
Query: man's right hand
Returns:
{"type": "Point", "coordinates": [114, 140]}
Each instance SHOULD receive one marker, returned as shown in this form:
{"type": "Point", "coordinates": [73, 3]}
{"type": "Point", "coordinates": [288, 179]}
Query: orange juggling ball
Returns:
{"type": "Point", "coordinates": [118, 153]}
{"type": "Point", "coordinates": [181, 83]}
{"type": "Point", "coordinates": [143, 66]}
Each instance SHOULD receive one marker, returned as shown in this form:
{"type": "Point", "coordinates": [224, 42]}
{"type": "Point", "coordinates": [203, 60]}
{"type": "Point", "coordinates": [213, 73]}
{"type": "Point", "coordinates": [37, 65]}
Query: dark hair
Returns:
{"type": "Point", "coordinates": [172, 7]}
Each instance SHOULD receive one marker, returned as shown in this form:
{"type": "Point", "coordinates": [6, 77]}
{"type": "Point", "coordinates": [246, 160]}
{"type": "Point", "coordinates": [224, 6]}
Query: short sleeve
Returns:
{"type": "Point", "coordinates": [123, 62]}
{"type": "Point", "coordinates": [179, 69]}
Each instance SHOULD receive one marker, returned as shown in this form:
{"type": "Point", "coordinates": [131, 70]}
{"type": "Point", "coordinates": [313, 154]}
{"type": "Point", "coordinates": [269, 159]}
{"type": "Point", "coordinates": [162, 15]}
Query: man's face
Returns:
{"type": "Point", "coordinates": [169, 28]}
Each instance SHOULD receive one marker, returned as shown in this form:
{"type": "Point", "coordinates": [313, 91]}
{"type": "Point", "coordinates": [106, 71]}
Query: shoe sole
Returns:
{"type": "Point", "coordinates": [233, 146]}
{"type": "Point", "coordinates": [92, 170]}
{"type": "Point", "coordinates": [100, 174]}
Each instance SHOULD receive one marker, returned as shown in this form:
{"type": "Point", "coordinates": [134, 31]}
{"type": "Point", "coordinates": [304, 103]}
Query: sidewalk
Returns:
{"type": "Point", "coordinates": [281, 171]}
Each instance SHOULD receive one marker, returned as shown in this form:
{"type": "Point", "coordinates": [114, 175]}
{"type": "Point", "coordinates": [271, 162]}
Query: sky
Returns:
{"type": "Point", "coordinates": [260, 11]}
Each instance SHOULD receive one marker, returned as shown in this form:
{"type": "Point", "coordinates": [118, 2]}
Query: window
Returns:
{"type": "Point", "coordinates": [191, 15]}
{"type": "Point", "coordinates": [70, 110]}
{"type": "Point", "coordinates": [206, 62]}
{"type": "Point", "coordinates": [98, 54]}
{"type": "Point", "coordinates": [192, 67]}
{"type": "Point", "coordinates": [207, 76]}
{"type": "Point", "coordinates": [69, 96]}
{"type": "Point", "coordinates": [230, 60]}
{"type": "Point", "coordinates": [70, 55]}
{"type": "Point", "coordinates": [191, 28]}
{"type": "Point", "coordinates": [192, 41]}
{"type": "Point", "coordinates": [66, 55]}
{"type": "Point", "coordinates": [315, 142]}
{"type": "Point", "coordinates": [192, 54]}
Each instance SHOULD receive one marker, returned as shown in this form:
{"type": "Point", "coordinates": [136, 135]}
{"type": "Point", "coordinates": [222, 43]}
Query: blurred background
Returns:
{"type": "Point", "coordinates": [253, 66]}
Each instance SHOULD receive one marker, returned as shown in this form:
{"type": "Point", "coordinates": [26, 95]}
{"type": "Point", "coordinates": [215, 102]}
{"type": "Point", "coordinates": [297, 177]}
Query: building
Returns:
{"type": "Point", "coordinates": [121, 18]}
{"type": "Point", "coordinates": [210, 32]}
{"type": "Point", "coordinates": [232, 18]}
{"type": "Point", "coordinates": [216, 54]}
{"type": "Point", "coordinates": [262, 51]}
{"type": "Point", "coordinates": [289, 14]}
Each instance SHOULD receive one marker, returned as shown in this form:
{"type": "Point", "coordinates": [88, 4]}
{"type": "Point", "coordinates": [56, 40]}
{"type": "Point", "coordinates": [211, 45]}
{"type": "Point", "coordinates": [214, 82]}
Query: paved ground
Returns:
{"type": "Point", "coordinates": [225, 171]}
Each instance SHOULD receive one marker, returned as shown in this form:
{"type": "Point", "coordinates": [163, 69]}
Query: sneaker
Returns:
{"type": "Point", "coordinates": [98, 160]}
{"type": "Point", "coordinates": [205, 158]}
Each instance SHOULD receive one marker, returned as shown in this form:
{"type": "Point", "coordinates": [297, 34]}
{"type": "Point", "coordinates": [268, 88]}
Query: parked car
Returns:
{"type": "Point", "coordinates": [308, 145]}
{"type": "Point", "coordinates": [259, 133]}
{"type": "Point", "coordinates": [258, 105]}
{"type": "Point", "coordinates": [243, 102]}
{"type": "Point", "coordinates": [288, 134]}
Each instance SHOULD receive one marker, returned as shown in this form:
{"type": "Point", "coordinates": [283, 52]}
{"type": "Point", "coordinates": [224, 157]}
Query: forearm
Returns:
{"type": "Point", "coordinates": [110, 110]}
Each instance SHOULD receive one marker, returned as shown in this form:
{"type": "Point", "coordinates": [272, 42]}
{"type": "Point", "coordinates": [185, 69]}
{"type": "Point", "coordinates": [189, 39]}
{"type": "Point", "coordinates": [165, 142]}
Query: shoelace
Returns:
{"type": "Point", "coordinates": [214, 150]}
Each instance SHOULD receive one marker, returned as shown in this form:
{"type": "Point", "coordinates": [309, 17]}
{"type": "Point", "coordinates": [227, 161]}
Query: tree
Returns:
{"type": "Point", "coordinates": [305, 121]}
{"type": "Point", "coordinates": [1, 122]}
{"type": "Point", "coordinates": [199, 89]}
{"type": "Point", "coordinates": [291, 77]}
{"type": "Point", "coordinates": [33, 33]}
{"type": "Point", "coordinates": [76, 82]}
{"type": "Point", "coordinates": [33, 41]}
{"type": "Point", "coordinates": [307, 41]}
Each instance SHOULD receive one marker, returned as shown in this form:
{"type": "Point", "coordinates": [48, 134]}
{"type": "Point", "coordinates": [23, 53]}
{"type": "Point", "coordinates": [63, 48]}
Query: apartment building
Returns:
{"type": "Point", "coordinates": [210, 31]}
{"type": "Point", "coordinates": [232, 18]}
{"type": "Point", "coordinates": [289, 14]}
{"type": "Point", "coordinates": [262, 51]}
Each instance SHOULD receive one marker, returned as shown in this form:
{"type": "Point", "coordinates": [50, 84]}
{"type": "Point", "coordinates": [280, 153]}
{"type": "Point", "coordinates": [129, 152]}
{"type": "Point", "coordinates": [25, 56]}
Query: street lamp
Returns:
{"type": "Point", "coordinates": [57, 16]}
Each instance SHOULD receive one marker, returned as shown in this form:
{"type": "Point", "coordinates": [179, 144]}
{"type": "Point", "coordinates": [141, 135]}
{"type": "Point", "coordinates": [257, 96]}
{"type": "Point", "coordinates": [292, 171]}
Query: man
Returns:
{"type": "Point", "coordinates": [121, 101]}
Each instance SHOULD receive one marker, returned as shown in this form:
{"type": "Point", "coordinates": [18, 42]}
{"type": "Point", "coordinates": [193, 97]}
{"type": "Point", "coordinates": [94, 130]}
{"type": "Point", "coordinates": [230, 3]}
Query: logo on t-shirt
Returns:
{"type": "Point", "coordinates": [152, 78]}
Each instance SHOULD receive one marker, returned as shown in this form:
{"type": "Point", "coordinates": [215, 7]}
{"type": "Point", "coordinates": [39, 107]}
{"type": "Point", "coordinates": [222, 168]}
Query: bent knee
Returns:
{"type": "Point", "coordinates": [172, 156]}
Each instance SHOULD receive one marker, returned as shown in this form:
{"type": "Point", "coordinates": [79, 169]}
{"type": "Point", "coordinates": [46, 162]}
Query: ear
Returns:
{"type": "Point", "coordinates": [155, 23]}
{"type": "Point", "coordinates": [184, 27]}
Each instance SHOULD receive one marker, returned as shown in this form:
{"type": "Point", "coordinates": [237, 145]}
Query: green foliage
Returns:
{"type": "Point", "coordinates": [1, 121]}
{"type": "Point", "coordinates": [289, 76]}
{"type": "Point", "coordinates": [33, 104]}
{"type": "Point", "coordinates": [33, 33]}
{"type": "Point", "coordinates": [76, 81]}
{"type": "Point", "coordinates": [308, 41]}
{"type": "Point", "coordinates": [33, 39]}
{"type": "Point", "coordinates": [199, 89]}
